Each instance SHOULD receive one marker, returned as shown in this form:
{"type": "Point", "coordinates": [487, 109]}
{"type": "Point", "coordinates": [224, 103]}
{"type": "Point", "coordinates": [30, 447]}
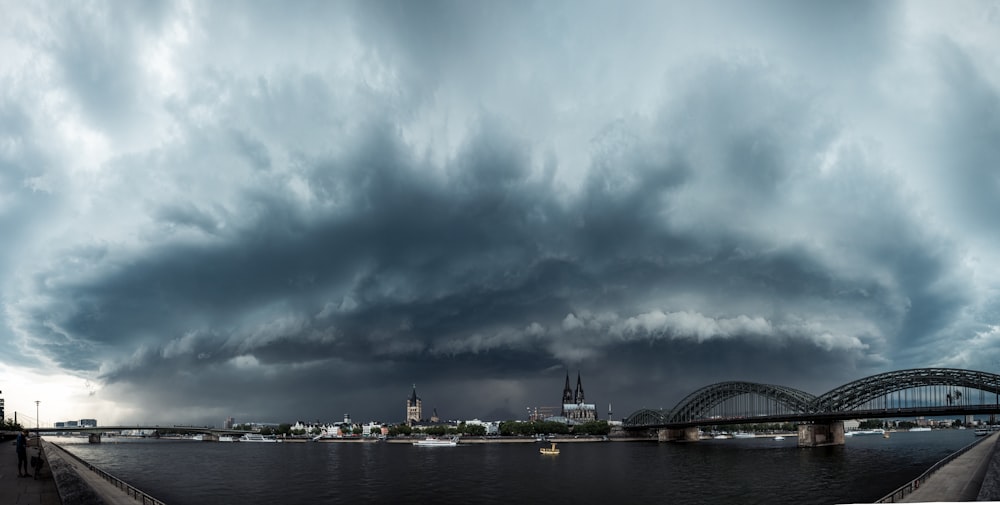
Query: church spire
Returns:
{"type": "Point", "coordinates": [567, 396]}
{"type": "Point", "coordinates": [578, 397]}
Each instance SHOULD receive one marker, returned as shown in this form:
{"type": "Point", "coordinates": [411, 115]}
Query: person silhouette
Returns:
{"type": "Point", "coordinates": [22, 453]}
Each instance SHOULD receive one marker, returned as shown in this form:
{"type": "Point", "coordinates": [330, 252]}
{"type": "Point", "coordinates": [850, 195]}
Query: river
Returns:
{"type": "Point", "coordinates": [745, 471]}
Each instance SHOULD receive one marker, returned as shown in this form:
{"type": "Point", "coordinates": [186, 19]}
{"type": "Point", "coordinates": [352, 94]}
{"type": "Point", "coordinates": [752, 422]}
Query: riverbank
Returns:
{"type": "Point", "coordinates": [957, 478]}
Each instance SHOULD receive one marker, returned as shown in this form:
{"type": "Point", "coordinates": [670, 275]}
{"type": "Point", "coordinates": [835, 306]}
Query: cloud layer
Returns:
{"type": "Point", "coordinates": [232, 209]}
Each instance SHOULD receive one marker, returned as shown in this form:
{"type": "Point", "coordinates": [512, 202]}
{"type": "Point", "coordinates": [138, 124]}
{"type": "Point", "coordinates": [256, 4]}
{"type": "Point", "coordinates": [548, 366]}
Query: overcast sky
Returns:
{"type": "Point", "coordinates": [283, 211]}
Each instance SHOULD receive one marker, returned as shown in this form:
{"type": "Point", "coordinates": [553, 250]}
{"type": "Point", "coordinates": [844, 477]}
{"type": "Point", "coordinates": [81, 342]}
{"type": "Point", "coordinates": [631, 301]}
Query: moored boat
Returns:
{"type": "Point", "coordinates": [256, 437]}
{"type": "Point", "coordinates": [437, 442]}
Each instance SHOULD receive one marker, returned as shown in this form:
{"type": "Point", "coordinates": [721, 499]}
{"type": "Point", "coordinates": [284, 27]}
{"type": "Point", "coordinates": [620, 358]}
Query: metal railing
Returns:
{"type": "Point", "coordinates": [130, 490]}
{"type": "Point", "coordinates": [915, 484]}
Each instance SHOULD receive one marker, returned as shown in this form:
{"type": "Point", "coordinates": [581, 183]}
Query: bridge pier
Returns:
{"type": "Point", "coordinates": [94, 438]}
{"type": "Point", "coordinates": [210, 437]}
{"type": "Point", "coordinates": [689, 434]}
{"type": "Point", "coordinates": [821, 434]}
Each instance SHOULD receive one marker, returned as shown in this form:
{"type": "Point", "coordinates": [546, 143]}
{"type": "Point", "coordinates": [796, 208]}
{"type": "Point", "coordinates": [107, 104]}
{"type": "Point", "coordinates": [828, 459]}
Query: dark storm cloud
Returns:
{"type": "Point", "coordinates": [479, 197]}
{"type": "Point", "coordinates": [475, 263]}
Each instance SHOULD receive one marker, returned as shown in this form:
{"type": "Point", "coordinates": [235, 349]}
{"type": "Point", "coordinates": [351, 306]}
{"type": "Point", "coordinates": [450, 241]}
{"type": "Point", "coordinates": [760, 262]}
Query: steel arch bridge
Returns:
{"type": "Point", "coordinates": [919, 391]}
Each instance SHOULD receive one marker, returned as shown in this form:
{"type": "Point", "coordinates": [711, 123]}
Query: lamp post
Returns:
{"type": "Point", "coordinates": [36, 415]}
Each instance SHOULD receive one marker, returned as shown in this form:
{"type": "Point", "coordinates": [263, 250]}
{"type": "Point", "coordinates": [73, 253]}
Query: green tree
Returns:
{"type": "Point", "coordinates": [593, 428]}
{"type": "Point", "coordinates": [475, 430]}
{"type": "Point", "coordinates": [10, 425]}
{"type": "Point", "coordinates": [284, 428]}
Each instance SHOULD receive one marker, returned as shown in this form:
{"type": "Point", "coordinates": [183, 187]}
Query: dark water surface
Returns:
{"type": "Point", "coordinates": [747, 471]}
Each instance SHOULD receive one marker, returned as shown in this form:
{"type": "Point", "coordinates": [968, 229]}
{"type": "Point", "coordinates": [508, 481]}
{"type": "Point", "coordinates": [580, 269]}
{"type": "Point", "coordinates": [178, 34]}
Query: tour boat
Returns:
{"type": "Point", "coordinates": [437, 442]}
{"type": "Point", "coordinates": [549, 450]}
{"type": "Point", "coordinates": [876, 431]}
{"type": "Point", "coordinates": [743, 435]}
{"type": "Point", "coordinates": [981, 432]}
{"type": "Point", "coordinates": [920, 429]}
{"type": "Point", "coordinates": [226, 438]}
{"type": "Point", "coordinates": [255, 437]}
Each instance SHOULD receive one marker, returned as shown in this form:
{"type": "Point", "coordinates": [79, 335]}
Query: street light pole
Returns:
{"type": "Point", "coordinates": [36, 415]}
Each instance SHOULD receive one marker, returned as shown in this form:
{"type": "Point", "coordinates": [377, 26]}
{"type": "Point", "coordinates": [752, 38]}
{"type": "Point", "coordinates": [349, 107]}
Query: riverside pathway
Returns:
{"type": "Point", "coordinates": [959, 479]}
{"type": "Point", "coordinates": [16, 490]}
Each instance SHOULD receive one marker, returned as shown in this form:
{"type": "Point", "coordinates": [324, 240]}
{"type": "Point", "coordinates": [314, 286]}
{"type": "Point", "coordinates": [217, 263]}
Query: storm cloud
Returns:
{"type": "Point", "coordinates": [283, 213]}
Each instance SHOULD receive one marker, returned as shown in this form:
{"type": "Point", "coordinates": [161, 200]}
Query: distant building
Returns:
{"type": "Point", "coordinates": [574, 405]}
{"type": "Point", "coordinates": [82, 423]}
{"type": "Point", "coordinates": [414, 407]}
{"type": "Point", "coordinates": [229, 423]}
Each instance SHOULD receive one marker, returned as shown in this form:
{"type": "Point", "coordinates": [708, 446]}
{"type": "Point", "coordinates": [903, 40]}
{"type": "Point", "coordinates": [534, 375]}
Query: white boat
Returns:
{"type": "Point", "coordinates": [779, 438]}
{"type": "Point", "coordinates": [720, 437]}
{"type": "Point", "coordinates": [981, 432]}
{"type": "Point", "coordinates": [226, 438]}
{"type": "Point", "coordinates": [876, 431]}
{"type": "Point", "coordinates": [255, 437]}
{"type": "Point", "coordinates": [743, 435]}
{"type": "Point", "coordinates": [920, 429]}
{"type": "Point", "coordinates": [437, 442]}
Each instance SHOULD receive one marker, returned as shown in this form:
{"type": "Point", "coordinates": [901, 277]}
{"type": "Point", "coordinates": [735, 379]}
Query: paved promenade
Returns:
{"type": "Point", "coordinates": [16, 490]}
{"type": "Point", "coordinates": [958, 480]}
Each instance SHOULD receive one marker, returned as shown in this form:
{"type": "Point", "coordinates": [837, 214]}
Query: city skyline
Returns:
{"type": "Point", "coordinates": [293, 211]}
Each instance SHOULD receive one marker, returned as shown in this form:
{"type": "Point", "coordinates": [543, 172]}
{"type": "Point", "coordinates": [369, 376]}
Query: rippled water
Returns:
{"type": "Point", "coordinates": [745, 471]}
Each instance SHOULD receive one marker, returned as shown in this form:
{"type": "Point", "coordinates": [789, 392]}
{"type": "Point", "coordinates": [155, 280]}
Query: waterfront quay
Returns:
{"type": "Point", "coordinates": [961, 477]}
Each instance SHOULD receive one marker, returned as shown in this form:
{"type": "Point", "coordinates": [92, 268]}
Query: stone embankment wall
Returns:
{"type": "Point", "coordinates": [79, 483]}
{"type": "Point", "coordinates": [72, 486]}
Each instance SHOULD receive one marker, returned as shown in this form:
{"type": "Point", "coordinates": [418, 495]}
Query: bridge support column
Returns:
{"type": "Point", "coordinates": [670, 435]}
{"type": "Point", "coordinates": [821, 434]}
{"type": "Point", "coordinates": [210, 437]}
{"type": "Point", "coordinates": [94, 438]}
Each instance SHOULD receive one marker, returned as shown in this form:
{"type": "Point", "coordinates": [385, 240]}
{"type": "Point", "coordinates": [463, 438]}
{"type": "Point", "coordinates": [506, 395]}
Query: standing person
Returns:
{"type": "Point", "coordinates": [22, 454]}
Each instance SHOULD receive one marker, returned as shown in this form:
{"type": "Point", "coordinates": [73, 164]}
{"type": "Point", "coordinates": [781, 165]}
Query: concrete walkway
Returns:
{"type": "Point", "coordinates": [959, 479]}
{"type": "Point", "coordinates": [16, 490]}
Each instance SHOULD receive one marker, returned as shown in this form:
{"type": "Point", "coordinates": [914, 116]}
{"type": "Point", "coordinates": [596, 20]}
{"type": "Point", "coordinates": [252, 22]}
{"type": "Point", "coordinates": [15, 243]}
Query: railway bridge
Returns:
{"type": "Point", "coordinates": [820, 419]}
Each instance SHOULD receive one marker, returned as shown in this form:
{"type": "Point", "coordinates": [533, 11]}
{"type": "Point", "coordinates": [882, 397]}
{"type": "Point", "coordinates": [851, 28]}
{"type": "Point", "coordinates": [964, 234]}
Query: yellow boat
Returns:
{"type": "Point", "coordinates": [549, 450]}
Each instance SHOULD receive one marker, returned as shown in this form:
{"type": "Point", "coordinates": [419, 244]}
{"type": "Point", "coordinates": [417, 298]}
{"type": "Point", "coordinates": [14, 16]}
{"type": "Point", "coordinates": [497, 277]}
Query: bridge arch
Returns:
{"type": "Point", "coordinates": [646, 417]}
{"type": "Point", "coordinates": [854, 395]}
{"type": "Point", "coordinates": [700, 404]}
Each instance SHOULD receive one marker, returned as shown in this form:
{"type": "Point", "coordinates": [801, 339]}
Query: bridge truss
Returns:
{"type": "Point", "coordinates": [920, 391]}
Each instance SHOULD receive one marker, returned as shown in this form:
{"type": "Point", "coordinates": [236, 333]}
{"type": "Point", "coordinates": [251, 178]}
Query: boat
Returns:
{"type": "Point", "coordinates": [876, 431]}
{"type": "Point", "coordinates": [920, 429]}
{"type": "Point", "coordinates": [720, 437]}
{"type": "Point", "coordinates": [779, 438]}
{"type": "Point", "coordinates": [437, 442]}
{"type": "Point", "coordinates": [549, 450]}
{"type": "Point", "coordinates": [743, 435]}
{"type": "Point", "coordinates": [981, 432]}
{"type": "Point", "coordinates": [885, 434]}
{"type": "Point", "coordinates": [256, 437]}
{"type": "Point", "coordinates": [226, 438]}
